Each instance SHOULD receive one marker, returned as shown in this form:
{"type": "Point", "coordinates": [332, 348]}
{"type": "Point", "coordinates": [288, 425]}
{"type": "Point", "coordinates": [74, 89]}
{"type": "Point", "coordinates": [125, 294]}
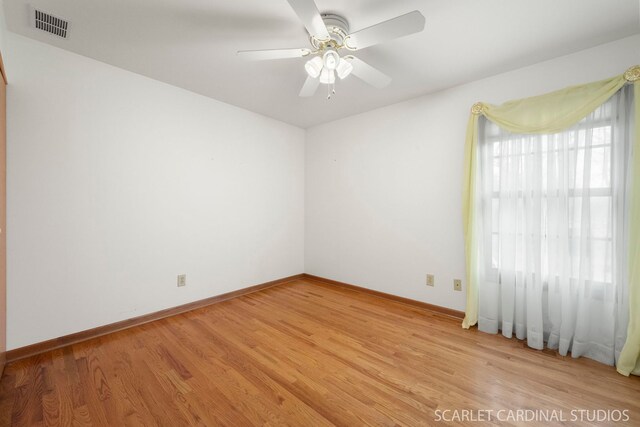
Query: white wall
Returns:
{"type": "Point", "coordinates": [383, 188]}
{"type": "Point", "coordinates": [117, 183]}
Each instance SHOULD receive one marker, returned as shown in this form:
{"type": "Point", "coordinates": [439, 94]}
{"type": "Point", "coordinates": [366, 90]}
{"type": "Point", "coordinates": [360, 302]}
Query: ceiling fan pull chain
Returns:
{"type": "Point", "coordinates": [331, 89]}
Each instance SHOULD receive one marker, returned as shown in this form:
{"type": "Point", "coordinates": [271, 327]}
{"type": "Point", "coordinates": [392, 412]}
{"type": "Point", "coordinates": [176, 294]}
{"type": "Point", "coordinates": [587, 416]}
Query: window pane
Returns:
{"type": "Point", "coordinates": [600, 213]}
{"type": "Point", "coordinates": [542, 188]}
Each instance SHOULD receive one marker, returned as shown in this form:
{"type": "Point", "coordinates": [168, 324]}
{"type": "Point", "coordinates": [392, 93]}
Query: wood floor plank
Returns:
{"type": "Point", "coordinates": [302, 353]}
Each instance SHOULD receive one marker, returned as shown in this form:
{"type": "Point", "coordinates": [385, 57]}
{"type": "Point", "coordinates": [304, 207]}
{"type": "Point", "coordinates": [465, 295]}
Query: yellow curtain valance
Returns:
{"type": "Point", "coordinates": [555, 111]}
{"type": "Point", "coordinates": [551, 113]}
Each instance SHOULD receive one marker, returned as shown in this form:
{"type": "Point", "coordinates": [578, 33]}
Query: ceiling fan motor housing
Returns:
{"type": "Point", "coordinates": [338, 28]}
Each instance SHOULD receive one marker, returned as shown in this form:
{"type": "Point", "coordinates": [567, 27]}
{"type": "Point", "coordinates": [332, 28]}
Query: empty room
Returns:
{"type": "Point", "coordinates": [319, 212]}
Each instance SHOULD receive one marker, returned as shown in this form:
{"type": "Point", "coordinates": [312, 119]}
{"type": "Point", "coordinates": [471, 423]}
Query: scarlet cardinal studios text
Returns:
{"type": "Point", "coordinates": [532, 415]}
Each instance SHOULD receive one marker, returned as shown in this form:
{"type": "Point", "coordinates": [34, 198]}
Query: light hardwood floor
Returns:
{"type": "Point", "coordinates": [303, 354]}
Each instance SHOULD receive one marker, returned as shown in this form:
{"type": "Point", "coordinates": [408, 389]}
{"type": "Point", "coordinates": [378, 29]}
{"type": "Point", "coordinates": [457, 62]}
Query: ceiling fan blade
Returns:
{"type": "Point", "coordinates": [368, 74]}
{"type": "Point", "coordinates": [262, 55]}
{"type": "Point", "coordinates": [400, 26]}
{"type": "Point", "coordinates": [310, 86]}
{"type": "Point", "coordinates": [308, 13]}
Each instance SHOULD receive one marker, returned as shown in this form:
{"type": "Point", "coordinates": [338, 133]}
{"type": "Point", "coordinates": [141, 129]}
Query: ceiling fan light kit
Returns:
{"type": "Point", "coordinates": [328, 34]}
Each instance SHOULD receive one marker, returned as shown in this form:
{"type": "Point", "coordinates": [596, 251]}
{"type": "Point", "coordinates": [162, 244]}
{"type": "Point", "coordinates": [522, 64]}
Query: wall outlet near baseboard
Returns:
{"type": "Point", "coordinates": [457, 284]}
{"type": "Point", "coordinates": [182, 280]}
{"type": "Point", "coordinates": [430, 280]}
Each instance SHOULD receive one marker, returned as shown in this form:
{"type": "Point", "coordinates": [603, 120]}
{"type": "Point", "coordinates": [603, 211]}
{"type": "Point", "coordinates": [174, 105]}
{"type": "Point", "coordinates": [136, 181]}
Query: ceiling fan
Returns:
{"type": "Point", "coordinates": [329, 36]}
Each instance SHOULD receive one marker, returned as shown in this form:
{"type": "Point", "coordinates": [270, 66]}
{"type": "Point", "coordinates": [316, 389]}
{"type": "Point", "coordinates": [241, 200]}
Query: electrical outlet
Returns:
{"type": "Point", "coordinates": [182, 280]}
{"type": "Point", "coordinates": [457, 284]}
{"type": "Point", "coordinates": [430, 281]}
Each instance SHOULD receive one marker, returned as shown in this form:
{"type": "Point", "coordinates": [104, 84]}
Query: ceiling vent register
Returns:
{"type": "Point", "coordinates": [50, 24]}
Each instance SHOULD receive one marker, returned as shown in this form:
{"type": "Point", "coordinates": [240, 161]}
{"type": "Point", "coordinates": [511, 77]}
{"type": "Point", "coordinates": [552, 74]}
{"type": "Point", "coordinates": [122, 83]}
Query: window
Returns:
{"type": "Point", "coordinates": [556, 175]}
{"type": "Point", "coordinates": [552, 221]}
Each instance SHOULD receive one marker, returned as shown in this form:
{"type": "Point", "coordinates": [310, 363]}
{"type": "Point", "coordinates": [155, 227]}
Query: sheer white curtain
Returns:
{"type": "Point", "coordinates": [551, 222]}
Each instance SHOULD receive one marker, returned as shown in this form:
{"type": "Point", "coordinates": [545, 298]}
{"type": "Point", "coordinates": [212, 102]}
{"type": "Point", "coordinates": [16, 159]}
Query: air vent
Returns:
{"type": "Point", "coordinates": [50, 24]}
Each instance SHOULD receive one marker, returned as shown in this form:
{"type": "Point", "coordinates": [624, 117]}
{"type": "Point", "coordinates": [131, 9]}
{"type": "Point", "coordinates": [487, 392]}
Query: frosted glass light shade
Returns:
{"type": "Point", "coordinates": [314, 67]}
{"type": "Point", "coordinates": [327, 76]}
{"type": "Point", "coordinates": [344, 68]}
{"type": "Point", "coordinates": [331, 59]}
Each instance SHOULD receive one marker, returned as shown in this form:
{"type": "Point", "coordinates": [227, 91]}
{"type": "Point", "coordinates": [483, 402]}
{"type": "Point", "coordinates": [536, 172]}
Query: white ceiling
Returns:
{"type": "Point", "coordinates": [192, 44]}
